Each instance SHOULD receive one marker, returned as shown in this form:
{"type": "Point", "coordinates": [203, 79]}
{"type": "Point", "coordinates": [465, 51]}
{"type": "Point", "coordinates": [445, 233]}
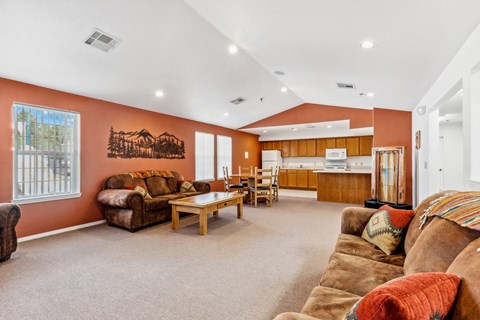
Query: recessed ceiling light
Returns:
{"type": "Point", "coordinates": [233, 49]}
{"type": "Point", "coordinates": [294, 129]}
{"type": "Point", "coordinates": [284, 89]}
{"type": "Point", "coordinates": [370, 94]}
{"type": "Point", "coordinates": [159, 93]}
{"type": "Point", "coordinates": [280, 73]}
{"type": "Point", "coordinates": [367, 44]}
{"type": "Point", "coordinates": [329, 126]}
{"type": "Point", "coordinates": [226, 114]}
{"type": "Point", "coordinates": [265, 131]}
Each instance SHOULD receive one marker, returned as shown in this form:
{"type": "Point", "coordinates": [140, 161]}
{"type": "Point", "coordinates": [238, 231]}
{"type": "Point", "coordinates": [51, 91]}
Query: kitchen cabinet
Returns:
{"type": "Point", "coordinates": [292, 178]}
{"type": "Point", "coordinates": [282, 179]}
{"type": "Point", "coordinates": [302, 179]}
{"type": "Point", "coordinates": [340, 143]}
{"type": "Point", "coordinates": [353, 146]}
{"type": "Point", "coordinates": [294, 148]}
{"type": "Point", "coordinates": [267, 145]}
{"type": "Point", "coordinates": [366, 144]}
{"type": "Point", "coordinates": [285, 148]}
{"type": "Point", "coordinates": [312, 180]}
{"type": "Point", "coordinates": [320, 146]}
{"type": "Point", "coordinates": [302, 148]}
{"type": "Point", "coordinates": [277, 145]}
{"type": "Point", "coordinates": [330, 143]}
{"type": "Point", "coordinates": [311, 148]}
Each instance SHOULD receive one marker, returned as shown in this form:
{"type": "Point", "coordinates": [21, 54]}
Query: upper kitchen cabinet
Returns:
{"type": "Point", "coordinates": [340, 143]}
{"type": "Point", "coordinates": [321, 146]}
{"type": "Point", "coordinates": [330, 143]}
{"type": "Point", "coordinates": [267, 145]}
{"type": "Point", "coordinates": [294, 148]}
{"type": "Point", "coordinates": [311, 148]}
{"type": "Point", "coordinates": [277, 145]}
{"type": "Point", "coordinates": [286, 148]}
{"type": "Point", "coordinates": [366, 144]}
{"type": "Point", "coordinates": [302, 148]}
{"type": "Point", "coordinates": [353, 146]}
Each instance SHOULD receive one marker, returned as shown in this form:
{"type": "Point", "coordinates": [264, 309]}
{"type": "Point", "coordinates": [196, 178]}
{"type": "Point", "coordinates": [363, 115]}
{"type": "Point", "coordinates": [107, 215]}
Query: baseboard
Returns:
{"type": "Point", "coordinates": [51, 233]}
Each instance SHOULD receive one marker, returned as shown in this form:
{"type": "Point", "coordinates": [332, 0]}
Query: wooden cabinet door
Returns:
{"type": "Point", "coordinates": [312, 180]}
{"type": "Point", "coordinates": [292, 178]}
{"type": "Point", "coordinates": [311, 148]}
{"type": "Point", "coordinates": [267, 145]}
{"type": "Point", "coordinates": [285, 148]}
{"type": "Point", "coordinates": [353, 146]}
{"type": "Point", "coordinates": [330, 143]}
{"type": "Point", "coordinates": [302, 179]}
{"type": "Point", "coordinates": [277, 145]}
{"type": "Point", "coordinates": [340, 143]}
{"type": "Point", "coordinates": [282, 178]}
{"type": "Point", "coordinates": [293, 148]}
{"type": "Point", "coordinates": [320, 148]}
{"type": "Point", "coordinates": [302, 148]}
{"type": "Point", "coordinates": [366, 144]}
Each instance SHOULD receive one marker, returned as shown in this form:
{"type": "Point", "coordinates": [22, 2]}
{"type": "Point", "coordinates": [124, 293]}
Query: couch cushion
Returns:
{"type": "Point", "coordinates": [467, 266]}
{"type": "Point", "coordinates": [437, 246]}
{"type": "Point", "coordinates": [416, 296]}
{"type": "Point", "coordinates": [329, 303]}
{"type": "Point", "coordinates": [357, 275]}
{"type": "Point", "coordinates": [157, 186]}
{"type": "Point", "coordinates": [414, 228]}
{"type": "Point", "coordinates": [357, 246]}
{"type": "Point", "coordinates": [172, 184]}
{"type": "Point", "coordinates": [192, 193]}
{"type": "Point", "coordinates": [161, 202]}
{"type": "Point", "coordinates": [386, 228]}
{"type": "Point", "coordinates": [119, 181]}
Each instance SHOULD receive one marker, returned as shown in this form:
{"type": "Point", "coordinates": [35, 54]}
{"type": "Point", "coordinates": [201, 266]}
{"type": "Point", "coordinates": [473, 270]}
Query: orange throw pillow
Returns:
{"type": "Point", "coordinates": [387, 227]}
{"type": "Point", "coordinates": [418, 296]}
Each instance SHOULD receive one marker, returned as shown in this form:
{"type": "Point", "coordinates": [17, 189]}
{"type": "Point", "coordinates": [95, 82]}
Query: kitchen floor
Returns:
{"type": "Point", "coordinates": [297, 193]}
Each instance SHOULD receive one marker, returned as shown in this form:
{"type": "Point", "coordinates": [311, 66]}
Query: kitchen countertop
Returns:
{"type": "Point", "coordinates": [322, 170]}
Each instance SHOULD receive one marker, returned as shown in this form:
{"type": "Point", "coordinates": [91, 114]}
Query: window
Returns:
{"type": "Point", "coordinates": [224, 155]}
{"type": "Point", "coordinates": [204, 156]}
{"type": "Point", "coordinates": [46, 154]}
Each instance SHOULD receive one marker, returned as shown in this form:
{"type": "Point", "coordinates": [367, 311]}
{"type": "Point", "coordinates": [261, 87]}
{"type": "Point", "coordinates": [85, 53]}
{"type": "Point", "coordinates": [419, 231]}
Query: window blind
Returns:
{"type": "Point", "coordinates": [204, 156]}
{"type": "Point", "coordinates": [224, 155]}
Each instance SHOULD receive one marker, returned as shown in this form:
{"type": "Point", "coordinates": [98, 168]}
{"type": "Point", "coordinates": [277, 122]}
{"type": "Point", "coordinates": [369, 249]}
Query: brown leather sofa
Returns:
{"type": "Point", "coordinates": [9, 216]}
{"type": "Point", "coordinates": [356, 266]}
{"type": "Point", "coordinates": [126, 208]}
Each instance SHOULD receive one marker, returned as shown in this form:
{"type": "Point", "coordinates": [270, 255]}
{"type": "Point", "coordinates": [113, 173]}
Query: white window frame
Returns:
{"type": "Point", "coordinates": [204, 156]}
{"type": "Point", "coordinates": [41, 177]}
{"type": "Point", "coordinates": [224, 155]}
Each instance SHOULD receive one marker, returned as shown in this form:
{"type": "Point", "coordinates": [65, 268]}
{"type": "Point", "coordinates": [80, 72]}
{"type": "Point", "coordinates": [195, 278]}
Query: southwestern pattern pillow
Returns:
{"type": "Point", "coordinates": [186, 186]}
{"type": "Point", "coordinates": [386, 228]}
{"type": "Point", "coordinates": [144, 192]}
{"type": "Point", "coordinates": [419, 296]}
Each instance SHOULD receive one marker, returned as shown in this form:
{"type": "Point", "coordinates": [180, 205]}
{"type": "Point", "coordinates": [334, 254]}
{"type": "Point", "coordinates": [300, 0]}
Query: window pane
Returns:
{"type": "Point", "coordinates": [46, 152]}
{"type": "Point", "coordinates": [224, 155]}
{"type": "Point", "coordinates": [204, 156]}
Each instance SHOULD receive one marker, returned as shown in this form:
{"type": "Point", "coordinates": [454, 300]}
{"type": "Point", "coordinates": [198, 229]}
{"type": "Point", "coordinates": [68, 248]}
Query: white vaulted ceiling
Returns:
{"type": "Point", "coordinates": [181, 48]}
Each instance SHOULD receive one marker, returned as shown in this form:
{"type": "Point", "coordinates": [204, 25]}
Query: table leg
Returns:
{"type": "Point", "coordinates": [175, 218]}
{"type": "Point", "coordinates": [203, 222]}
{"type": "Point", "coordinates": [240, 209]}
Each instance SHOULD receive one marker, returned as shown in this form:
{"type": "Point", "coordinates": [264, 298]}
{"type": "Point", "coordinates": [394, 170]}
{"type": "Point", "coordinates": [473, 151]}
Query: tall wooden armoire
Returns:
{"type": "Point", "coordinates": [389, 174]}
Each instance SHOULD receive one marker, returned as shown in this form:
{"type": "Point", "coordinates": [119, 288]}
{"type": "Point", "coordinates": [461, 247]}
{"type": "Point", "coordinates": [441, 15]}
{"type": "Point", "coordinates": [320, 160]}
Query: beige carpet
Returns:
{"type": "Point", "coordinates": [253, 268]}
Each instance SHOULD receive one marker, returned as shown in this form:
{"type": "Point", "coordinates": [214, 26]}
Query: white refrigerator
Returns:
{"type": "Point", "coordinates": [271, 159]}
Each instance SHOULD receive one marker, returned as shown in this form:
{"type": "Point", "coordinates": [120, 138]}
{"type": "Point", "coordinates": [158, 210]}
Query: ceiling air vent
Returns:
{"type": "Point", "coordinates": [345, 85]}
{"type": "Point", "coordinates": [238, 101]}
{"type": "Point", "coordinates": [102, 41]}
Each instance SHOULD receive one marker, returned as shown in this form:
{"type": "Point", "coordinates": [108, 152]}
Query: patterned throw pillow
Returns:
{"type": "Point", "coordinates": [186, 186]}
{"type": "Point", "coordinates": [144, 192]}
{"type": "Point", "coordinates": [428, 296]}
{"type": "Point", "coordinates": [386, 228]}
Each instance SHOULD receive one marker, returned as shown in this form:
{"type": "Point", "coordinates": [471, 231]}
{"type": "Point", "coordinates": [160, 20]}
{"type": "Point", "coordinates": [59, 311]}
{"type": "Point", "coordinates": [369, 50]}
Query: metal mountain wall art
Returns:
{"type": "Point", "coordinates": [142, 144]}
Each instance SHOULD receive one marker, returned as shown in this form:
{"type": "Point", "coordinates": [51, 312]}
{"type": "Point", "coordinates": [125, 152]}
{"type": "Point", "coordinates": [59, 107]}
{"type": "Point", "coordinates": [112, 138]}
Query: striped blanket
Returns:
{"type": "Point", "coordinates": [460, 207]}
{"type": "Point", "coordinates": [151, 173]}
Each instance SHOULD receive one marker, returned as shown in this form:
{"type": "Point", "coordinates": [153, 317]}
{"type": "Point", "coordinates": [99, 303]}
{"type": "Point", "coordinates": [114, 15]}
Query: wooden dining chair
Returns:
{"type": "Point", "coordinates": [262, 188]}
{"type": "Point", "coordinates": [226, 182]}
{"type": "Point", "coordinates": [245, 171]}
{"type": "Point", "coordinates": [275, 188]}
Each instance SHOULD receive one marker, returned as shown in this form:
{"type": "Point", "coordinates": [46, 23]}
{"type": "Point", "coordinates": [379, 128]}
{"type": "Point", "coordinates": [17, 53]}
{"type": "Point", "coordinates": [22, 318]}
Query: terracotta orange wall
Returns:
{"type": "Point", "coordinates": [394, 128]}
{"type": "Point", "coordinates": [96, 118]}
{"type": "Point", "coordinates": [309, 112]}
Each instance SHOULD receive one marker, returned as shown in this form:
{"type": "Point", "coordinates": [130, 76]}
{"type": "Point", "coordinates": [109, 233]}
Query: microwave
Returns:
{"type": "Point", "coordinates": [336, 154]}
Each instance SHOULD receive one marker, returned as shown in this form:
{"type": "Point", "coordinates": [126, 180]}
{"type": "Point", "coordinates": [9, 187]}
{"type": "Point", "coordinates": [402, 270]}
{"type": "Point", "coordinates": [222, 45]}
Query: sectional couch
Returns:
{"type": "Point", "coordinates": [127, 208]}
{"type": "Point", "coordinates": [356, 266]}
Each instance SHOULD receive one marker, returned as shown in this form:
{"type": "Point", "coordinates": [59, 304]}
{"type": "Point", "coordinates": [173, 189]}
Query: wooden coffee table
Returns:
{"type": "Point", "coordinates": [204, 204]}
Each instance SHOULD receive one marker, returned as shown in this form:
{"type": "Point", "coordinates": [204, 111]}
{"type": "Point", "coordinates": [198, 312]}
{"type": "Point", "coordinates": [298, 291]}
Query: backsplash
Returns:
{"type": "Point", "coordinates": [307, 162]}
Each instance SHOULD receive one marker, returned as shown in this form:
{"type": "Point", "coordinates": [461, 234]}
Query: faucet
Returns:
{"type": "Point", "coordinates": [301, 166]}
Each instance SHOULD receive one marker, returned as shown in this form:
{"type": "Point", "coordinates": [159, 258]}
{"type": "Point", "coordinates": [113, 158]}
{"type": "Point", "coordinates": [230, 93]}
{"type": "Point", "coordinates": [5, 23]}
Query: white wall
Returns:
{"type": "Point", "coordinates": [457, 74]}
{"type": "Point", "coordinates": [452, 134]}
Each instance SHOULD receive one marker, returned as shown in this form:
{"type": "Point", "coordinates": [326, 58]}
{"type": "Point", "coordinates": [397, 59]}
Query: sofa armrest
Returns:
{"type": "Point", "coordinates": [9, 216]}
{"type": "Point", "coordinates": [354, 219]}
{"type": "Point", "coordinates": [294, 316]}
{"type": "Point", "coordinates": [120, 198]}
{"type": "Point", "coordinates": [201, 186]}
